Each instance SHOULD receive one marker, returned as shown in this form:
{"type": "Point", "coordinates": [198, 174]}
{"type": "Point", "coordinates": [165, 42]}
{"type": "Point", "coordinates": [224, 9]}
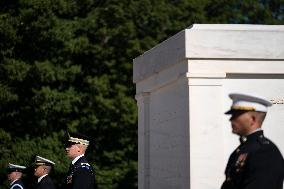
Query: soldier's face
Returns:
{"type": "Point", "coordinates": [39, 171]}
{"type": "Point", "coordinates": [72, 151]}
{"type": "Point", "coordinates": [241, 122]}
{"type": "Point", "coordinates": [13, 176]}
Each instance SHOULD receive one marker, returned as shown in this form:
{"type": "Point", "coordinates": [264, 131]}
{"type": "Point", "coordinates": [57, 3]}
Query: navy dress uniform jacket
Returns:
{"type": "Point", "coordinates": [255, 164]}
{"type": "Point", "coordinates": [45, 183]}
{"type": "Point", "coordinates": [80, 175]}
{"type": "Point", "coordinates": [17, 185]}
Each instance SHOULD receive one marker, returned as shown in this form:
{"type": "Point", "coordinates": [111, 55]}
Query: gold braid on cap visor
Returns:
{"type": "Point", "coordinates": [78, 140]}
{"type": "Point", "coordinates": [246, 108]}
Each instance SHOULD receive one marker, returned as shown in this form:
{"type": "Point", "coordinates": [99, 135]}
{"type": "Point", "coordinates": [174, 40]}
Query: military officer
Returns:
{"type": "Point", "coordinates": [15, 173]}
{"type": "Point", "coordinates": [256, 163]}
{"type": "Point", "coordinates": [42, 169]}
{"type": "Point", "coordinates": [80, 174]}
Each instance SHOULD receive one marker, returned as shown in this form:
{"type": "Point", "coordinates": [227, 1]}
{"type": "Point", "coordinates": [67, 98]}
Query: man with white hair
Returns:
{"type": "Point", "coordinates": [256, 163]}
{"type": "Point", "coordinates": [15, 173]}
{"type": "Point", "coordinates": [42, 169]}
{"type": "Point", "coordinates": [80, 174]}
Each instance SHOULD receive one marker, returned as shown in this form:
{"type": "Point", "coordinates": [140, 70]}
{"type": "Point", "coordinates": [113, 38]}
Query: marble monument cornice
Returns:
{"type": "Point", "coordinates": [214, 42]}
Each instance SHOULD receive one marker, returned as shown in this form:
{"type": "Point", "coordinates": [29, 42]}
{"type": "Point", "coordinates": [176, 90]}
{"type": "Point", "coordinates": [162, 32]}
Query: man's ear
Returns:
{"type": "Point", "coordinates": [253, 118]}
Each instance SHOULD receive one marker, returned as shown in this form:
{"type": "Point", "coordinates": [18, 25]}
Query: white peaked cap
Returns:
{"type": "Point", "coordinates": [43, 161]}
{"type": "Point", "coordinates": [14, 166]}
{"type": "Point", "coordinates": [246, 102]}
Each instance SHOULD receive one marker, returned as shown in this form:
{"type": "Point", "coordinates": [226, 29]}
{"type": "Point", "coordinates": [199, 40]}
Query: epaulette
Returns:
{"type": "Point", "coordinates": [262, 140]}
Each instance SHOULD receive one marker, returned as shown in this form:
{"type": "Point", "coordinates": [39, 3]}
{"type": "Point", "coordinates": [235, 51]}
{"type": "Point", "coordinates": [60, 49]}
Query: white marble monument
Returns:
{"type": "Point", "coordinates": [182, 88]}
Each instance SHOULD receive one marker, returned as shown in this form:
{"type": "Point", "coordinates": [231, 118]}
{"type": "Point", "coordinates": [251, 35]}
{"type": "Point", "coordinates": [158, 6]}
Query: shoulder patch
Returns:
{"type": "Point", "coordinates": [263, 140]}
{"type": "Point", "coordinates": [85, 166]}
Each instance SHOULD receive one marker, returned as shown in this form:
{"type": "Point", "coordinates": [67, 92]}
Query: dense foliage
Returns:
{"type": "Point", "coordinates": [67, 64]}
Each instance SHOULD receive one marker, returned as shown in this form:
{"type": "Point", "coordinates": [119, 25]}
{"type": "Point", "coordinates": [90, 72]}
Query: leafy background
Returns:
{"type": "Point", "coordinates": [67, 64]}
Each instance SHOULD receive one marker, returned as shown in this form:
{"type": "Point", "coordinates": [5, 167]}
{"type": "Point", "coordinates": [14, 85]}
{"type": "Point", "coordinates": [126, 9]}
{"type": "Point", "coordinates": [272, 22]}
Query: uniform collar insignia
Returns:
{"type": "Point", "coordinates": [243, 139]}
{"type": "Point", "coordinates": [252, 136]}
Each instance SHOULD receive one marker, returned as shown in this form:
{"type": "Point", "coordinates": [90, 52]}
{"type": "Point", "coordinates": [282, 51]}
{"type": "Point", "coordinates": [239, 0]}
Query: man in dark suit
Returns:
{"type": "Point", "coordinates": [256, 163]}
{"type": "Point", "coordinates": [15, 173]}
{"type": "Point", "coordinates": [43, 167]}
{"type": "Point", "coordinates": [80, 174]}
